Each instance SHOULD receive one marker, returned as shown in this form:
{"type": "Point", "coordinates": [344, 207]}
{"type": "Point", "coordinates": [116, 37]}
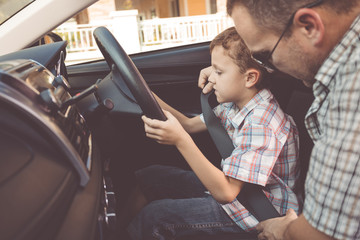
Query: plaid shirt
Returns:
{"type": "Point", "coordinates": [266, 149]}
{"type": "Point", "coordinates": [332, 189]}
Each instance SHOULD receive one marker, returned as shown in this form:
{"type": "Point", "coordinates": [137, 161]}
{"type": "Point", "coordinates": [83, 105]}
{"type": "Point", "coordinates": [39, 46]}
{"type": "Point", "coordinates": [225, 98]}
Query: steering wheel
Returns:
{"type": "Point", "coordinates": [115, 55]}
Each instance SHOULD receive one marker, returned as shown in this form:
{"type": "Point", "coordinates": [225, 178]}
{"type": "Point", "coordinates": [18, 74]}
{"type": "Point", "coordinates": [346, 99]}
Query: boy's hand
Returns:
{"type": "Point", "coordinates": [168, 132]}
{"type": "Point", "coordinates": [203, 78]}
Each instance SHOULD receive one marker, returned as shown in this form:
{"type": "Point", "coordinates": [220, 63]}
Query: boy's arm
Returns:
{"type": "Point", "coordinates": [191, 125]}
{"type": "Point", "coordinates": [223, 188]}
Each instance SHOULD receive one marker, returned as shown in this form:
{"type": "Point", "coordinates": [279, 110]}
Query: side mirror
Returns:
{"type": "Point", "coordinates": [50, 37]}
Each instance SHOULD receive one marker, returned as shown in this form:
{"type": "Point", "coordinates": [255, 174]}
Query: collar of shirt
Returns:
{"type": "Point", "coordinates": [324, 77]}
{"type": "Point", "coordinates": [236, 116]}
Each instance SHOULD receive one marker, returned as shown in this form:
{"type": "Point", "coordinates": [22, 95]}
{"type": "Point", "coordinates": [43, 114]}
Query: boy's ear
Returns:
{"type": "Point", "coordinates": [252, 77]}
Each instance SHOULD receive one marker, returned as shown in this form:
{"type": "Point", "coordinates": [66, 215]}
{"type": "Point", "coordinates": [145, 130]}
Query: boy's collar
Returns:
{"type": "Point", "coordinates": [237, 116]}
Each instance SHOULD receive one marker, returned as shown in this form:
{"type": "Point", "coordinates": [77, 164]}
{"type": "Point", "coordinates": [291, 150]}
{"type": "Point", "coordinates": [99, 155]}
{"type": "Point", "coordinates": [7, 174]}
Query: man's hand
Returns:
{"type": "Point", "coordinates": [203, 78]}
{"type": "Point", "coordinates": [168, 132]}
{"type": "Point", "coordinates": [274, 229]}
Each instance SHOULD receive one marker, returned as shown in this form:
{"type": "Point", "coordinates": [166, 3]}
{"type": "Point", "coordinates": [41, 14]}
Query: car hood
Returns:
{"type": "Point", "coordinates": [35, 20]}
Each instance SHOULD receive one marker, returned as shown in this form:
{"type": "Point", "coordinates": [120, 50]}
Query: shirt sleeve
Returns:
{"type": "Point", "coordinates": [254, 157]}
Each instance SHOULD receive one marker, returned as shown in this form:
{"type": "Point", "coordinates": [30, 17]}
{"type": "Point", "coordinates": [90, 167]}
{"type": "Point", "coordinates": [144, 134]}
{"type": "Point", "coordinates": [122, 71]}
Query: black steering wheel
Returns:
{"type": "Point", "coordinates": [115, 55]}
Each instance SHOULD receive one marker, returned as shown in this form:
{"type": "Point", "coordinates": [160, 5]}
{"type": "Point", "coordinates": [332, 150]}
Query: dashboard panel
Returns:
{"type": "Point", "coordinates": [27, 85]}
{"type": "Point", "coordinates": [51, 169]}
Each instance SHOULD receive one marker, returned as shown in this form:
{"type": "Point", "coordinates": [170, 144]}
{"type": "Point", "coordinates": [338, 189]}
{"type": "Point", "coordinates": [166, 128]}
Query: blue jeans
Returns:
{"type": "Point", "coordinates": [179, 206]}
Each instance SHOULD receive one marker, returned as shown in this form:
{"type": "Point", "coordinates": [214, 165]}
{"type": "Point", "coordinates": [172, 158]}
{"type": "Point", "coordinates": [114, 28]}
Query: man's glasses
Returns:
{"type": "Point", "coordinates": [264, 58]}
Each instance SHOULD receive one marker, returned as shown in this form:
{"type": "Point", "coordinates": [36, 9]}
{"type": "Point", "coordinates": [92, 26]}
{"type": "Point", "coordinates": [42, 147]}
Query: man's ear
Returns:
{"type": "Point", "coordinates": [252, 77]}
{"type": "Point", "coordinates": [310, 24]}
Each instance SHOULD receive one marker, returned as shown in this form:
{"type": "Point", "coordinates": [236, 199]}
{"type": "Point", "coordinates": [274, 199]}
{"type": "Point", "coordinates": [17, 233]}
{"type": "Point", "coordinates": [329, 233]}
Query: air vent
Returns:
{"type": "Point", "coordinates": [74, 127]}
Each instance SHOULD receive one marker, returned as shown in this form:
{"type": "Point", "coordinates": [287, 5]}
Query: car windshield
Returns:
{"type": "Point", "coordinates": [10, 8]}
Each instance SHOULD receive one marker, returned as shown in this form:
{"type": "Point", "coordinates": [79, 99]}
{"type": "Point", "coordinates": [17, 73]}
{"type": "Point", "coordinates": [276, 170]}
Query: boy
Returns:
{"type": "Point", "coordinates": [266, 148]}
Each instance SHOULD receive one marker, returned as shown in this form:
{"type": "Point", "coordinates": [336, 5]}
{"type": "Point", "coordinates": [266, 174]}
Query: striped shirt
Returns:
{"type": "Point", "coordinates": [266, 150]}
{"type": "Point", "coordinates": [332, 188]}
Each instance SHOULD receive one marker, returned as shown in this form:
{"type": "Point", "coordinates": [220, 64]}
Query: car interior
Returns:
{"type": "Point", "coordinates": [72, 136]}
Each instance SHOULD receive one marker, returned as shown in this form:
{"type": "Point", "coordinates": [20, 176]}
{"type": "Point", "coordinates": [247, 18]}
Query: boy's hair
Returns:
{"type": "Point", "coordinates": [236, 49]}
{"type": "Point", "coordinates": [275, 14]}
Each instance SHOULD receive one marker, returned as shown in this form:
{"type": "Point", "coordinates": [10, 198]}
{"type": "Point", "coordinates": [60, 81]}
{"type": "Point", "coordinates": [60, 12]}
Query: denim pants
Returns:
{"type": "Point", "coordinates": [179, 206]}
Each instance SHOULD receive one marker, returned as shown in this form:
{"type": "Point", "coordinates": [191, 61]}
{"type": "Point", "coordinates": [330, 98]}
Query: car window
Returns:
{"type": "Point", "coordinates": [143, 25]}
{"type": "Point", "coordinates": [9, 8]}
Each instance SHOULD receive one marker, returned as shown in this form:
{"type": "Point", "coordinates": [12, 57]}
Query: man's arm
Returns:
{"type": "Point", "coordinates": [289, 227]}
{"type": "Point", "coordinates": [301, 229]}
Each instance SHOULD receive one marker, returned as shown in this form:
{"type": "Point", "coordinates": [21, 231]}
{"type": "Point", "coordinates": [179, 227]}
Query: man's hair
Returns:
{"type": "Point", "coordinates": [274, 14]}
{"type": "Point", "coordinates": [237, 50]}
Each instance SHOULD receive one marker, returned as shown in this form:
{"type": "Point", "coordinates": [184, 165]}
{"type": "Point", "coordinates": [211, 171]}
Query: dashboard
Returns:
{"type": "Point", "coordinates": [51, 180]}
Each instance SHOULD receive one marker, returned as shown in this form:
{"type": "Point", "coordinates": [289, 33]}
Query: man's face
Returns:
{"type": "Point", "coordinates": [290, 56]}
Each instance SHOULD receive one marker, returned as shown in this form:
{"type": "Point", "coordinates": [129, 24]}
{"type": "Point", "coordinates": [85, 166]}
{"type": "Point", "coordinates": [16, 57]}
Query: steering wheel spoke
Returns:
{"type": "Point", "coordinates": [115, 54]}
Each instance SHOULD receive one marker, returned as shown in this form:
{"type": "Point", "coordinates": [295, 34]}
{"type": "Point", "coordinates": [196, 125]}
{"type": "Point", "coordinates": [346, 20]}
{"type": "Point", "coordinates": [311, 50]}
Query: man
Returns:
{"type": "Point", "coordinates": [317, 42]}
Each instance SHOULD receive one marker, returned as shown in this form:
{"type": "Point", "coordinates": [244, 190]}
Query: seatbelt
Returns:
{"type": "Point", "coordinates": [251, 196]}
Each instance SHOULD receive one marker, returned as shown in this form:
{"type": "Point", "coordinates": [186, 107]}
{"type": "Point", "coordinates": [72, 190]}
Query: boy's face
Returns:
{"type": "Point", "coordinates": [229, 83]}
